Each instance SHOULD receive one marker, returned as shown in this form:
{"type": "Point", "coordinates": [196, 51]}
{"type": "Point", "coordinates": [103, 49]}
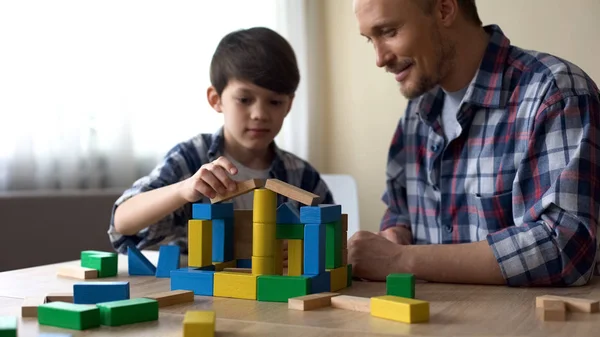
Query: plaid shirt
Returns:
{"type": "Point", "coordinates": [182, 162]}
{"type": "Point", "coordinates": [523, 172]}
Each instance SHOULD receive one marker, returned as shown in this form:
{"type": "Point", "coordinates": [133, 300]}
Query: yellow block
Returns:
{"type": "Point", "coordinates": [338, 278]}
{"type": "Point", "coordinates": [263, 265]}
{"type": "Point", "coordinates": [400, 309]}
{"type": "Point", "coordinates": [264, 206]}
{"type": "Point", "coordinates": [263, 239]}
{"type": "Point", "coordinates": [219, 266]}
{"type": "Point", "coordinates": [199, 323]}
{"type": "Point", "coordinates": [295, 257]}
{"type": "Point", "coordinates": [199, 243]}
{"type": "Point", "coordinates": [235, 285]}
{"type": "Point", "coordinates": [278, 258]}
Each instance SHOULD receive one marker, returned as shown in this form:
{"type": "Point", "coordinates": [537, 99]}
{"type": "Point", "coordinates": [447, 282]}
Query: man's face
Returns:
{"type": "Point", "coordinates": [407, 41]}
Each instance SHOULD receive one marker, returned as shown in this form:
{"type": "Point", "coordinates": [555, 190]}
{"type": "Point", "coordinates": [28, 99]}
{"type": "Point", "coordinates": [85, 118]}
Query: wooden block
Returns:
{"type": "Point", "coordinates": [263, 239]}
{"type": "Point", "coordinates": [349, 274]}
{"type": "Point", "coordinates": [311, 302]}
{"type": "Point", "coordinates": [69, 316]}
{"type": "Point", "coordinates": [106, 263]}
{"type": "Point", "coordinates": [173, 297]}
{"type": "Point", "coordinates": [344, 257]}
{"type": "Point", "coordinates": [292, 192]}
{"type": "Point", "coordinates": [59, 297]}
{"type": "Point", "coordinates": [199, 281]}
{"type": "Point", "coordinates": [138, 264]}
{"type": "Point", "coordinates": [573, 304]}
{"type": "Point", "coordinates": [287, 231]}
{"type": "Point", "coordinates": [320, 214]}
{"type": "Point", "coordinates": [402, 285]}
{"type": "Point", "coordinates": [344, 222]}
{"type": "Point", "coordinates": [263, 265]}
{"type": "Point", "coordinates": [278, 288]}
{"type": "Point", "coordinates": [222, 240]}
{"type": "Point", "coordinates": [203, 211]}
{"type": "Point", "coordinates": [400, 309]}
{"type": "Point", "coordinates": [98, 292]}
{"type": "Point", "coordinates": [295, 257]}
{"type": "Point", "coordinates": [353, 303]}
{"type": "Point", "coordinates": [235, 285]}
{"type": "Point", "coordinates": [129, 311]}
{"type": "Point", "coordinates": [199, 323]}
{"type": "Point", "coordinates": [242, 234]}
{"type": "Point", "coordinates": [264, 207]}
{"type": "Point", "coordinates": [30, 305]}
{"type": "Point", "coordinates": [243, 187]}
{"type": "Point", "coordinates": [199, 243]}
{"type": "Point", "coordinates": [168, 259]}
{"type": "Point", "coordinates": [338, 278]}
{"type": "Point", "coordinates": [333, 245]}
{"type": "Point", "coordinates": [77, 272]}
{"type": "Point", "coordinates": [314, 249]}
{"type": "Point", "coordinates": [287, 213]}
{"type": "Point", "coordinates": [552, 310]}
{"type": "Point", "coordinates": [278, 257]}
{"type": "Point", "coordinates": [219, 266]}
{"type": "Point", "coordinates": [239, 270]}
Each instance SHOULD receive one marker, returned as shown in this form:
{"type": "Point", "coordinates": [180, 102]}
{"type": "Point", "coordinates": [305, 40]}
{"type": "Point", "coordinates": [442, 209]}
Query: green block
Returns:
{"type": "Point", "coordinates": [333, 245]}
{"type": "Point", "coordinates": [402, 285]}
{"type": "Point", "coordinates": [349, 275]}
{"type": "Point", "coordinates": [289, 232]}
{"type": "Point", "coordinates": [135, 310]}
{"type": "Point", "coordinates": [69, 315]}
{"type": "Point", "coordinates": [278, 288]}
{"type": "Point", "coordinates": [104, 262]}
{"type": "Point", "coordinates": [8, 326]}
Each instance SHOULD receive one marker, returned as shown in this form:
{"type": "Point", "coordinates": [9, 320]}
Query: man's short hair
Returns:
{"type": "Point", "coordinates": [467, 7]}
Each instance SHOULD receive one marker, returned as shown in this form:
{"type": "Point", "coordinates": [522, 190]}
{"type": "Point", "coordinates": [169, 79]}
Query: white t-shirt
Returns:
{"type": "Point", "coordinates": [245, 201]}
{"type": "Point", "coordinates": [452, 101]}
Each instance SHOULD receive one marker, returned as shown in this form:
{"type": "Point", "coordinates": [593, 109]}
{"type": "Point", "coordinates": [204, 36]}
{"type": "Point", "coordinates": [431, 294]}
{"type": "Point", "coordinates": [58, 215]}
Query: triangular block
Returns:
{"type": "Point", "coordinates": [138, 264]}
{"type": "Point", "coordinates": [168, 259]}
{"type": "Point", "coordinates": [288, 214]}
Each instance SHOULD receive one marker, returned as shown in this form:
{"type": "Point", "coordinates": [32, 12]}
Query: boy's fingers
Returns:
{"type": "Point", "coordinates": [226, 164]}
{"type": "Point", "coordinates": [208, 176]}
{"type": "Point", "coordinates": [204, 189]}
{"type": "Point", "coordinates": [227, 182]}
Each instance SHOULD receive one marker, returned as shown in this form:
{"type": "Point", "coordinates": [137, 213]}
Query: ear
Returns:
{"type": "Point", "coordinates": [446, 11]}
{"type": "Point", "coordinates": [213, 99]}
{"type": "Point", "coordinates": [292, 96]}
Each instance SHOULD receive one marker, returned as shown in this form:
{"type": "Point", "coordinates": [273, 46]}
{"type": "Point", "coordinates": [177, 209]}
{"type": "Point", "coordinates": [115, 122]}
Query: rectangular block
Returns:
{"type": "Point", "coordinates": [401, 309]}
{"type": "Point", "coordinates": [131, 311]}
{"type": "Point", "coordinates": [552, 311]}
{"type": "Point", "coordinates": [199, 243]}
{"type": "Point", "coordinates": [77, 272]}
{"type": "Point", "coordinates": [295, 257]}
{"type": "Point", "coordinates": [212, 267]}
{"type": "Point", "coordinates": [401, 285]}
{"type": "Point", "coordinates": [173, 297]}
{"type": "Point", "coordinates": [243, 187]}
{"type": "Point", "coordinates": [339, 278]}
{"type": "Point", "coordinates": [352, 303]}
{"type": "Point", "coordinates": [199, 323]}
{"type": "Point", "coordinates": [288, 214]}
{"type": "Point", "coordinates": [199, 281]}
{"type": "Point", "coordinates": [69, 315]}
{"type": "Point", "coordinates": [233, 285]}
{"type": "Point", "coordinates": [168, 259]}
{"type": "Point", "coordinates": [320, 214]}
{"type": "Point", "coordinates": [104, 262]}
{"type": "Point", "coordinates": [278, 258]}
{"type": "Point", "coordinates": [319, 283]}
{"type": "Point", "coordinates": [573, 304]}
{"type": "Point", "coordinates": [59, 297]}
{"type": "Point", "coordinates": [263, 265]}
{"type": "Point", "coordinates": [311, 302]}
{"type": "Point", "coordinates": [292, 192]}
{"type": "Point", "coordinates": [344, 257]}
{"type": "Point", "coordinates": [242, 234]}
{"type": "Point", "coordinates": [97, 292]}
{"type": "Point", "coordinates": [8, 326]}
{"type": "Point", "coordinates": [344, 223]}
{"type": "Point", "coordinates": [333, 245]}
{"type": "Point", "coordinates": [220, 266]}
{"type": "Point", "coordinates": [202, 211]}
{"type": "Point", "coordinates": [222, 240]}
{"type": "Point", "coordinates": [277, 288]}
{"type": "Point", "coordinates": [30, 305]}
{"type": "Point", "coordinates": [289, 232]}
{"type": "Point", "coordinates": [314, 249]}
{"type": "Point", "coordinates": [349, 274]}
{"type": "Point", "coordinates": [138, 264]}
{"type": "Point", "coordinates": [244, 263]}
{"type": "Point", "coordinates": [263, 242]}
{"type": "Point", "coordinates": [264, 207]}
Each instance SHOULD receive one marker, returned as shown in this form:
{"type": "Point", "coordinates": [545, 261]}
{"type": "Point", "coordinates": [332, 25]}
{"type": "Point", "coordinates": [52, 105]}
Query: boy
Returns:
{"type": "Point", "coordinates": [254, 75]}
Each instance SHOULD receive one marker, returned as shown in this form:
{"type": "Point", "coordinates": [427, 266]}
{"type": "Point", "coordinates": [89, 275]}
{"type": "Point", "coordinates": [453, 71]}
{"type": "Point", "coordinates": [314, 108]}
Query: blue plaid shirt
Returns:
{"type": "Point", "coordinates": [182, 162]}
{"type": "Point", "coordinates": [523, 172]}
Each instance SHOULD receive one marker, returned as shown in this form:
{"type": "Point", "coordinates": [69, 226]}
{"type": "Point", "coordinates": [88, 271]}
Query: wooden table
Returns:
{"type": "Point", "coordinates": [457, 310]}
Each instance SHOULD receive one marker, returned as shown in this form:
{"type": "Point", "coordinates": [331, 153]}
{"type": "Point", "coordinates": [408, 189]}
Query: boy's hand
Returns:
{"type": "Point", "coordinates": [374, 257]}
{"type": "Point", "coordinates": [400, 235]}
{"type": "Point", "coordinates": [211, 179]}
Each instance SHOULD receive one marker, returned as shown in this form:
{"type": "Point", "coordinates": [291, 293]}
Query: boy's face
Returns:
{"type": "Point", "coordinates": [253, 115]}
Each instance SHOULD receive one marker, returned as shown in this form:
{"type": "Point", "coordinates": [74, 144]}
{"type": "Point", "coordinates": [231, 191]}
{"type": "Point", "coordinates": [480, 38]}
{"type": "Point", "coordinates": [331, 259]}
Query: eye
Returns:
{"type": "Point", "coordinates": [243, 100]}
{"type": "Point", "coordinates": [276, 102]}
{"type": "Point", "coordinates": [369, 40]}
{"type": "Point", "coordinates": [389, 32]}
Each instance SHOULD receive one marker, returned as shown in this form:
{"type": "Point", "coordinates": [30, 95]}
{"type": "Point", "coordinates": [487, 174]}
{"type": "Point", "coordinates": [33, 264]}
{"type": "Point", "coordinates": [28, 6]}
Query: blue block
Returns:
{"type": "Point", "coordinates": [168, 259]}
{"type": "Point", "coordinates": [314, 249]}
{"type": "Point", "coordinates": [222, 237]}
{"type": "Point", "coordinates": [244, 263]}
{"type": "Point", "coordinates": [206, 268]}
{"type": "Point", "coordinates": [138, 264]}
{"type": "Point", "coordinates": [98, 292]}
{"type": "Point", "coordinates": [288, 214]}
{"type": "Point", "coordinates": [212, 211]}
{"type": "Point", "coordinates": [320, 213]}
{"type": "Point", "coordinates": [319, 283]}
{"type": "Point", "coordinates": [199, 281]}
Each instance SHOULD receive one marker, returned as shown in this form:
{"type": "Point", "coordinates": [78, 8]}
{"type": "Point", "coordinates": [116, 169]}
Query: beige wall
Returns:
{"type": "Point", "coordinates": [362, 103]}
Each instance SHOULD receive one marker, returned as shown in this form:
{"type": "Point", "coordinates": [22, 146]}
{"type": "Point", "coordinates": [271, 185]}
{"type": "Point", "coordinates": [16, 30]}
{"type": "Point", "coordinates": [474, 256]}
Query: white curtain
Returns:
{"type": "Point", "coordinates": [93, 93]}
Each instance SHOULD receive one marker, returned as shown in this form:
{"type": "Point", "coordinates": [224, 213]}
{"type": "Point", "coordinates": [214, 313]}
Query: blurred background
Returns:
{"type": "Point", "coordinates": [93, 94]}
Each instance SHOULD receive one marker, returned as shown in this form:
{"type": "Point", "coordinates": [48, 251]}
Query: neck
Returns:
{"type": "Point", "coordinates": [470, 43]}
{"type": "Point", "coordinates": [254, 159]}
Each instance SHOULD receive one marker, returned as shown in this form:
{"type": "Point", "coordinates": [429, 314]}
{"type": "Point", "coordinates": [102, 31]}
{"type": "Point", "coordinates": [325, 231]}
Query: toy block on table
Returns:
{"type": "Point", "coordinates": [242, 234]}
{"type": "Point", "coordinates": [288, 214]}
{"type": "Point", "coordinates": [344, 222]}
{"type": "Point", "coordinates": [339, 278]}
{"type": "Point", "coordinates": [263, 265]}
{"type": "Point", "coordinates": [199, 243]}
{"type": "Point", "coordinates": [277, 288]}
{"type": "Point", "coordinates": [234, 285]}
{"type": "Point", "coordinates": [263, 238]}
{"type": "Point", "coordinates": [243, 187]}
{"type": "Point", "coordinates": [30, 305]}
{"type": "Point", "coordinates": [130, 311]}
{"type": "Point", "coordinates": [220, 266]}
{"type": "Point", "coordinates": [222, 240]}
{"type": "Point", "coordinates": [319, 283]}
{"type": "Point", "coordinates": [278, 258]}
{"type": "Point", "coordinates": [402, 285]}
{"type": "Point", "coordinates": [77, 272]}
{"type": "Point", "coordinates": [314, 249]}
{"type": "Point", "coordinates": [400, 309]}
{"type": "Point", "coordinates": [97, 292]}
{"type": "Point", "coordinates": [552, 310]}
{"type": "Point", "coordinates": [8, 326]}
{"type": "Point", "coordinates": [289, 232]}
{"type": "Point", "coordinates": [320, 214]}
{"type": "Point", "coordinates": [573, 304]}
{"type": "Point", "coordinates": [199, 323]}
{"type": "Point", "coordinates": [291, 191]}
{"type": "Point", "coordinates": [202, 211]}
{"type": "Point", "coordinates": [239, 270]}
{"type": "Point", "coordinates": [333, 245]}
{"type": "Point", "coordinates": [311, 302]}
{"type": "Point", "coordinates": [173, 297]}
{"type": "Point", "coordinates": [106, 263]}
{"type": "Point", "coordinates": [69, 315]}
{"type": "Point", "coordinates": [138, 264]}
{"type": "Point", "coordinates": [264, 207]}
{"type": "Point", "coordinates": [349, 274]}
{"type": "Point", "coordinates": [295, 257]}
{"type": "Point", "coordinates": [352, 303]}
{"type": "Point", "coordinates": [59, 297]}
{"type": "Point", "coordinates": [199, 281]}
{"type": "Point", "coordinates": [168, 259]}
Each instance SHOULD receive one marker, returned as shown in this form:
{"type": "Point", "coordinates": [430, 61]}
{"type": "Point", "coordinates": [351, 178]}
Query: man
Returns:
{"type": "Point", "coordinates": [493, 171]}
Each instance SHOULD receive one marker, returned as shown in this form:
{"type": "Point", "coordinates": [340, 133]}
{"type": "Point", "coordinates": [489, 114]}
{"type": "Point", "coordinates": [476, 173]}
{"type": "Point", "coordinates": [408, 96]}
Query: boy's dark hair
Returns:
{"type": "Point", "coordinates": [258, 55]}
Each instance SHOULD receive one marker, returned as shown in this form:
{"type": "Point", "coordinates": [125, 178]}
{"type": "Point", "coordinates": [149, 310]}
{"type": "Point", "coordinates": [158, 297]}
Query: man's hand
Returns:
{"type": "Point", "coordinates": [374, 257]}
{"type": "Point", "coordinates": [398, 234]}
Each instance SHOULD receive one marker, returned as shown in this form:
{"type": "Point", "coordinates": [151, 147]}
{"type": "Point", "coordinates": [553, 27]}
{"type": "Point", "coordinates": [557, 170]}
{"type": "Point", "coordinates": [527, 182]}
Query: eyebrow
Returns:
{"type": "Point", "coordinates": [379, 26]}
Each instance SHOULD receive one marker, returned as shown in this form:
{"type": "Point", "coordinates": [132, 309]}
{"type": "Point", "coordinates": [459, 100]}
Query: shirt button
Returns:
{"type": "Point", "coordinates": [449, 229]}
{"type": "Point", "coordinates": [434, 148]}
{"type": "Point", "coordinates": [436, 188]}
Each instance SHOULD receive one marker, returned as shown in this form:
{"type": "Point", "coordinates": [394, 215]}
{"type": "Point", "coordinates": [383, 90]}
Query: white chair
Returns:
{"type": "Point", "coordinates": [345, 193]}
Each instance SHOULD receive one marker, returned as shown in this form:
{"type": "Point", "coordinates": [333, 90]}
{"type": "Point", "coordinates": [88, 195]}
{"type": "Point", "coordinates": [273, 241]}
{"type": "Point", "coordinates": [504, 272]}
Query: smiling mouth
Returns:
{"type": "Point", "coordinates": [403, 73]}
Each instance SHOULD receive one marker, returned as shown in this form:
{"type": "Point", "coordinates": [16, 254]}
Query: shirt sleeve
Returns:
{"type": "Point", "coordinates": [557, 193]}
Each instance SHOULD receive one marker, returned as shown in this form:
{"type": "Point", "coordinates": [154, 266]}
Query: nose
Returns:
{"type": "Point", "coordinates": [383, 56]}
{"type": "Point", "coordinates": [259, 111]}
